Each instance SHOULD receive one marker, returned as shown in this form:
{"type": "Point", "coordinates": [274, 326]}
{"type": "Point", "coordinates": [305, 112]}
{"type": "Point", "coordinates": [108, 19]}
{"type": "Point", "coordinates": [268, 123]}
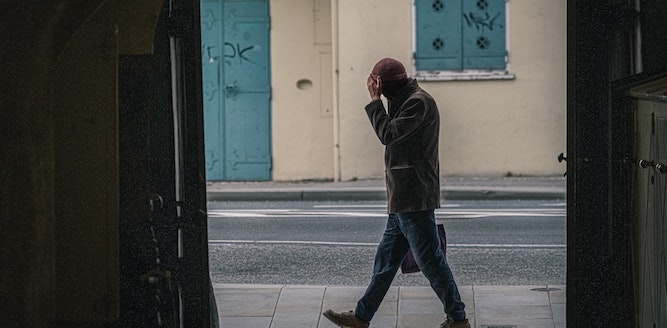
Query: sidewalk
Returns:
{"type": "Point", "coordinates": [452, 188]}
{"type": "Point", "coordinates": [280, 306]}
{"type": "Point", "coordinates": [296, 306]}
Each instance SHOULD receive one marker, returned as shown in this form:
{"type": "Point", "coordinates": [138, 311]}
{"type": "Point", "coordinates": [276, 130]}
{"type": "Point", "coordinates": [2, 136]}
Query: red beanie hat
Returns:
{"type": "Point", "coordinates": [389, 69]}
{"type": "Point", "coordinates": [393, 76]}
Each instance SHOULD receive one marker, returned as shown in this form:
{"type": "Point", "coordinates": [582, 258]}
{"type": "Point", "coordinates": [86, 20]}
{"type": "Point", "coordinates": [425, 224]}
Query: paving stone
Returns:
{"type": "Point", "coordinates": [509, 296]}
{"type": "Point", "coordinates": [295, 320]}
{"type": "Point", "coordinates": [246, 322]}
{"type": "Point", "coordinates": [278, 306]}
{"type": "Point", "coordinates": [251, 302]}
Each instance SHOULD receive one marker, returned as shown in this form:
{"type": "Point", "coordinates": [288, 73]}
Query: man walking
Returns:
{"type": "Point", "coordinates": [409, 131]}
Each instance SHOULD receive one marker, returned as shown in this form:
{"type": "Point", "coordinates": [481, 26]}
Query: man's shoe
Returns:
{"type": "Point", "coordinates": [345, 319]}
{"type": "Point", "coordinates": [450, 323]}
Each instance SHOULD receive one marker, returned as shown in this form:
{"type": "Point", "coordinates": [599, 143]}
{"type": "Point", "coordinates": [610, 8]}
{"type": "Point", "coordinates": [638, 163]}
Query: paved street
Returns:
{"type": "Point", "coordinates": [496, 242]}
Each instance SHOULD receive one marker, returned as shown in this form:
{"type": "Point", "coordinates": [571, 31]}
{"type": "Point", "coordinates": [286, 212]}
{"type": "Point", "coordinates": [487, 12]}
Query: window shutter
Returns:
{"type": "Point", "coordinates": [483, 25]}
{"type": "Point", "coordinates": [438, 24]}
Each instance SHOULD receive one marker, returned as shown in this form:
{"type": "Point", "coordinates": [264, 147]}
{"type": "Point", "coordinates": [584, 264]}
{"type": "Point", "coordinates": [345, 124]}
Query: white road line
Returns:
{"type": "Point", "coordinates": [350, 206]}
{"type": "Point", "coordinates": [493, 213]}
{"type": "Point", "coordinates": [291, 242]}
{"type": "Point", "coordinates": [260, 214]}
{"type": "Point", "coordinates": [367, 206]}
{"type": "Point", "coordinates": [266, 213]}
{"type": "Point", "coordinates": [506, 246]}
{"type": "Point", "coordinates": [337, 243]}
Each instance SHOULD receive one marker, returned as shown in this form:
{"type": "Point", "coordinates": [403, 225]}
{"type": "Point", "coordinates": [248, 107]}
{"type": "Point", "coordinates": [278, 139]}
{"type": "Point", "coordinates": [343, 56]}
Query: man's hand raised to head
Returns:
{"type": "Point", "coordinates": [374, 86]}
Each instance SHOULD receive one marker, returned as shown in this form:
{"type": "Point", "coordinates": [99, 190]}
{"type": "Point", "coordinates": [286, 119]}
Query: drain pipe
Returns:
{"type": "Point", "coordinates": [336, 78]}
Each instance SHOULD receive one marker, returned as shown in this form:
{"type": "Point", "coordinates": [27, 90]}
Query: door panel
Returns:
{"type": "Point", "coordinates": [247, 125]}
{"type": "Point", "coordinates": [247, 90]}
{"type": "Point", "coordinates": [212, 44]}
{"type": "Point", "coordinates": [238, 84]}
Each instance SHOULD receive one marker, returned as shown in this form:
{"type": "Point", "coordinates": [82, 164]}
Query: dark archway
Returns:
{"type": "Point", "coordinates": [89, 125]}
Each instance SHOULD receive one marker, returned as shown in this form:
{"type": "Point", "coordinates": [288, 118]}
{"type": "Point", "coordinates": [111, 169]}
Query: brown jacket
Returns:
{"type": "Point", "coordinates": [410, 133]}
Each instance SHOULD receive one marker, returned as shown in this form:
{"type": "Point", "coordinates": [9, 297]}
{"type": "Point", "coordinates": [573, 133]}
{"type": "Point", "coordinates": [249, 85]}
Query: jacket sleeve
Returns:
{"type": "Point", "coordinates": [394, 130]}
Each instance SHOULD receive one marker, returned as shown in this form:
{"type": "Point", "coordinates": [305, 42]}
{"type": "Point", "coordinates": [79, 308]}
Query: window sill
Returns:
{"type": "Point", "coordinates": [463, 76]}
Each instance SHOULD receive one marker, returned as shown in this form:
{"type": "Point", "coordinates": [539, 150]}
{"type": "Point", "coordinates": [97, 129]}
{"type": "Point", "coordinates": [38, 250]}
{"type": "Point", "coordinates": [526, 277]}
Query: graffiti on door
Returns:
{"type": "Point", "coordinates": [237, 51]}
{"type": "Point", "coordinates": [481, 21]}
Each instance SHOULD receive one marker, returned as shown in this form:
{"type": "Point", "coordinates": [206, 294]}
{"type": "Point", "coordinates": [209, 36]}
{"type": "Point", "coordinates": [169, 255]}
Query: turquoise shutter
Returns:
{"type": "Point", "coordinates": [438, 32]}
{"type": "Point", "coordinates": [483, 28]}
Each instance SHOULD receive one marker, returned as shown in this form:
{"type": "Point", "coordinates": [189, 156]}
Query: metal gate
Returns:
{"type": "Point", "coordinates": [237, 92]}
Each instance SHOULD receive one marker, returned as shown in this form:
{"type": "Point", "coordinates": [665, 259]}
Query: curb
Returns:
{"type": "Point", "coordinates": [496, 193]}
{"type": "Point", "coordinates": [380, 194]}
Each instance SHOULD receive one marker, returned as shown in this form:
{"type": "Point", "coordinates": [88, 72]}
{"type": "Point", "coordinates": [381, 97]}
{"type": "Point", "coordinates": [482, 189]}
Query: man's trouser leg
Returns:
{"type": "Point", "coordinates": [422, 235]}
{"type": "Point", "coordinates": [388, 258]}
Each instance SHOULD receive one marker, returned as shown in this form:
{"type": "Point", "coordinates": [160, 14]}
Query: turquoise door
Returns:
{"type": "Point", "coordinates": [237, 92]}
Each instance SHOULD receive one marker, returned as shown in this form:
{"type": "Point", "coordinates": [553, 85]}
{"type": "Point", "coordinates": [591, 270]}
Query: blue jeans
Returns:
{"type": "Point", "coordinates": [415, 231]}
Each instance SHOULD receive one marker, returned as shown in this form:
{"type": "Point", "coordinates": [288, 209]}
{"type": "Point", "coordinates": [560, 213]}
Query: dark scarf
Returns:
{"type": "Point", "coordinates": [402, 95]}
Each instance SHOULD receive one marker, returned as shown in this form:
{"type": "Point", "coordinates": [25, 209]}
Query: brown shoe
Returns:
{"type": "Point", "coordinates": [450, 323]}
{"type": "Point", "coordinates": [345, 319]}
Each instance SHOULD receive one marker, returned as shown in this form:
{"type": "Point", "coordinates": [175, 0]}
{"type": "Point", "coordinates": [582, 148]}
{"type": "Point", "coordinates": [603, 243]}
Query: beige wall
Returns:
{"type": "Point", "coordinates": [368, 31]}
{"type": "Point", "coordinates": [302, 114]}
{"type": "Point", "coordinates": [517, 126]}
{"type": "Point", "coordinates": [488, 128]}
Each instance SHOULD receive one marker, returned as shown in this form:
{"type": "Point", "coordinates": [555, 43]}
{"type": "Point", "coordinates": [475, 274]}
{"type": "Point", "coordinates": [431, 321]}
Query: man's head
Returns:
{"type": "Point", "coordinates": [393, 76]}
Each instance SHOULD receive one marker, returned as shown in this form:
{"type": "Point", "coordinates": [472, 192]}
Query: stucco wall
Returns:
{"type": "Point", "coordinates": [487, 127]}
{"type": "Point", "coordinates": [302, 117]}
{"type": "Point", "coordinates": [368, 31]}
{"type": "Point", "coordinates": [513, 126]}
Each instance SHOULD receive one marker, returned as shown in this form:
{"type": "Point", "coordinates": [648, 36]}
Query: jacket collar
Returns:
{"type": "Point", "coordinates": [406, 91]}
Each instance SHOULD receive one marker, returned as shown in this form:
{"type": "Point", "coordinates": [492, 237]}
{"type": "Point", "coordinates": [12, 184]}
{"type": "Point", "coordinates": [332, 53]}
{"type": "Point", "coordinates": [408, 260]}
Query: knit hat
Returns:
{"type": "Point", "coordinates": [389, 70]}
{"type": "Point", "coordinates": [393, 75]}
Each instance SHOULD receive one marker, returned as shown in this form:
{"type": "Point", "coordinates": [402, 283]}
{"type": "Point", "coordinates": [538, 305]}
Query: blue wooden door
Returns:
{"type": "Point", "coordinates": [237, 92]}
